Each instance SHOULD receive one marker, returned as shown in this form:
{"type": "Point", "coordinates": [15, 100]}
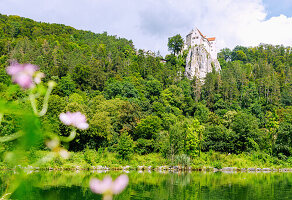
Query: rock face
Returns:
{"type": "Point", "coordinates": [202, 55]}
{"type": "Point", "coordinates": [199, 62]}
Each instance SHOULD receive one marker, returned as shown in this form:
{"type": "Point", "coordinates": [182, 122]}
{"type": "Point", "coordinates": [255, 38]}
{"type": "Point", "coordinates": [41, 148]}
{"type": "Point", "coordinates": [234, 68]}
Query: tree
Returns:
{"type": "Point", "coordinates": [284, 139]}
{"type": "Point", "coordinates": [219, 138]}
{"type": "Point", "coordinates": [201, 113]}
{"type": "Point", "coordinates": [120, 88]}
{"type": "Point", "coordinates": [67, 85]}
{"type": "Point", "coordinates": [172, 96]}
{"type": "Point", "coordinates": [148, 127]}
{"type": "Point", "coordinates": [246, 131]}
{"type": "Point", "coordinates": [194, 137]}
{"type": "Point", "coordinates": [175, 44]}
{"type": "Point", "coordinates": [177, 136]}
{"type": "Point", "coordinates": [240, 55]}
{"type": "Point", "coordinates": [125, 145]}
{"type": "Point", "coordinates": [153, 87]}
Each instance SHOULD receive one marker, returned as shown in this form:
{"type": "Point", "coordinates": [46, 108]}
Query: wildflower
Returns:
{"type": "Point", "coordinates": [107, 187]}
{"type": "Point", "coordinates": [52, 84]}
{"type": "Point", "coordinates": [64, 153]}
{"type": "Point", "coordinates": [54, 146]}
{"type": "Point", "coordinates": [76, 119]}
{"type": "Point", "coordinates": [22, 74]}
{"type": "Point", "coordinates": [38, 77]}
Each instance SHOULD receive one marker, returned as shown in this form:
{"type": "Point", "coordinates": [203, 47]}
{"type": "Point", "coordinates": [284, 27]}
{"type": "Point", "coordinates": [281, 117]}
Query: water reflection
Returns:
{"type": "Point", "coordinates": [64, 185]}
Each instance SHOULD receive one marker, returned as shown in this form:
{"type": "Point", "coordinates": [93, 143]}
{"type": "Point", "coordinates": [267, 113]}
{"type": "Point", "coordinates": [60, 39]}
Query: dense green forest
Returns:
{"type": "Point", "coordinates": [137, 104]}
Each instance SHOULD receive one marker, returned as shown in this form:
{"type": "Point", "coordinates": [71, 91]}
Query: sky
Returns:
{"type": "Point", "coordinates": [149, 23]}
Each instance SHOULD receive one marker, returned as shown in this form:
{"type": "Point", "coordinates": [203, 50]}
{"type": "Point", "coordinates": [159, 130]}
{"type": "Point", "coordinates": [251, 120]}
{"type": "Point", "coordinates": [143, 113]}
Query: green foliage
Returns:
{"type": "Point", "coordinates": [125, 146]}
{"type": "Point", "coordinates": [90, 156]}
{"type": "Point", "coordinates": [120, 89]}
{"type": "Point", "coordinates": [67, 85]}
{"type": "Point", "coordinates": [177, 137]}
{"type": "Point", "coordinates": [201, 113]}
{"type": "Point", "coordinates": [219, 138]}
{"type": "Point", "coordinates": [240, 55]}
{"type": "Point", "coordinates": [144, 146]}
{"type": "Point", "coordinates": [153, 87]}
{"type": "Point", "coordinates": [245, 127]}
{"type": "Point", "coordinates": [283, 142]}
{"type": "Point", "coordinates": [32, 131]}
{"type": "Point", "coordinates": [76, 98]}
{"type": "Point", "coordinates": [100, 125]}
{"type": "Point", "coordinates": [194, 137]}
{"type": "Point", "coordinates": [182, 160]}
{"type": "Point", "coordinates": [217, 165]}
{"type": "Point", "coordinates": [175, 44]}
{"type": "Point", "coordinates": [23, 132]}
{"type": "Point", "coordinates": [148, 128]}
{"type": "Point", "coordinates": [172, 96]}
{"type": "Point", "coordinates": [56, 105]}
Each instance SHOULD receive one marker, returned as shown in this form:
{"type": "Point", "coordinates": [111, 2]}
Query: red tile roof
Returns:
{"type": "Point", "coordinates": [211, 39]}
{"type": "Point", "coordinates": [204, 36]}
{"type": "Point", "coordinates": [201, 33]}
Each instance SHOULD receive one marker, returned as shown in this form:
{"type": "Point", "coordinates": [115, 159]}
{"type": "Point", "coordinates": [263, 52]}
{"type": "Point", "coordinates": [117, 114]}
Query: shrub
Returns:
{"type": "Point", "coordinates": [144, 146]}
{"type": "Point", "coordinates": [182, 160]}
{"type": "Point", "coordinates": [148, 127]}
{"type": "Point", "coordinates": [90, 156]}
{"type": "Point", "coordinates": [217, 164]}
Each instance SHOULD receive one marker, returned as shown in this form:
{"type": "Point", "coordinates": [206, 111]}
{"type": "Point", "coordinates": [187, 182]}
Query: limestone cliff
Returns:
{"type": "Point", "coordinates": [199, 62]}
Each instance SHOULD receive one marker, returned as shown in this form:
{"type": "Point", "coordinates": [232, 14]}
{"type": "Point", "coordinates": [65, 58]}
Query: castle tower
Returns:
{"type": "Point", "coordinates": [213, 50]}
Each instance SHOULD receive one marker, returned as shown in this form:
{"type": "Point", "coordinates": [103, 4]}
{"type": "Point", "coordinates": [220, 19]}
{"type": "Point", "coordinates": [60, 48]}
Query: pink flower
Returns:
{"type": "Point", "coordinates": [107, 186]}
{"type": "Point", "coordinates": [22, 74]}
{"type": "Point", "coordinates": [76, 119]}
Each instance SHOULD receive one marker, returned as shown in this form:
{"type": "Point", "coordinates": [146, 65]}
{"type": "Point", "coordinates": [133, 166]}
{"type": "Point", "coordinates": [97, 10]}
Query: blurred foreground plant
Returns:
{"type": "Point", "coordinates": [107, 187]}
{"type": "Point", "coordinates": [30, 134]}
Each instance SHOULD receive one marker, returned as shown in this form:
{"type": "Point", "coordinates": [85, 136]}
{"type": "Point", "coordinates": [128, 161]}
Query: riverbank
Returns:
{"type": "Point", "coordinates": [161, 169]}
{"type": "Point", "coordinates": [210, 161]}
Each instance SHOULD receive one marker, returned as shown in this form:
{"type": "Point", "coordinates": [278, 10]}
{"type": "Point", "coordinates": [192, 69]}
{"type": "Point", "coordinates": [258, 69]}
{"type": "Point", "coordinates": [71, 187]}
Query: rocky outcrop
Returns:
{"type": "Point", "coordinates": [199, 63]}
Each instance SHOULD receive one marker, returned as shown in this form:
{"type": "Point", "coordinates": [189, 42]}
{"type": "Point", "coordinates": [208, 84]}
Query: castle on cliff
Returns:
{"type": "Point", "coordinates": [202, 56]}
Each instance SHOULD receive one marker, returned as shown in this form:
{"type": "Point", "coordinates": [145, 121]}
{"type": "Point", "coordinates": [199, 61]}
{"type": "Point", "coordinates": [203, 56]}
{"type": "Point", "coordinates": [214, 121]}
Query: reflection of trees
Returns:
{"type": "Point", "coordinates": [196, 185]}
{"type": "Point", "coordinates": [209, 185]}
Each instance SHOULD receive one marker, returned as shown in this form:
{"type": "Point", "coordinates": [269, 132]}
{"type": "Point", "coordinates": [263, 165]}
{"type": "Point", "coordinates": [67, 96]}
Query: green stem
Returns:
{"type": "Point", "coordinates": [45, 104]}
{"type": "Point", "coordinates": [46, 100]}
{"type": "Point", "coordinates": [1, 116]}
{"type": "Point", "coordinates": [11, 137]}
{"type": "Point", "coordinates": [33, 103]}
{"type": "Point", "coordinates": [5, 196]}
{"type": "Point", "coordinates": [70, 137]}
{"type": "Point", "coordinates": [107, 197]}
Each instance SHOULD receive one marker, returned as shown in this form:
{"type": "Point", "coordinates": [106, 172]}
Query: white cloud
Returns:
{"type": "Point", "coordinates": [149, 23]}
{"type": "Point", "coordinates": [276, 30]}
{"type": "Point", "coordinates": [244, 23]}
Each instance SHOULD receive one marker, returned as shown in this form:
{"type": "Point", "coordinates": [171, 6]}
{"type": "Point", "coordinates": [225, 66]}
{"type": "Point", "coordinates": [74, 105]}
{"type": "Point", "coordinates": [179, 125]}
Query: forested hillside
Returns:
{"type": "Point", "coordinates": [136, 104]}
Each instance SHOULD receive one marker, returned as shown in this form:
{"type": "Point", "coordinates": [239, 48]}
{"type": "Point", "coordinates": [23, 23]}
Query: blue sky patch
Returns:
{"type": "Point", "coordinates": [275, 8]}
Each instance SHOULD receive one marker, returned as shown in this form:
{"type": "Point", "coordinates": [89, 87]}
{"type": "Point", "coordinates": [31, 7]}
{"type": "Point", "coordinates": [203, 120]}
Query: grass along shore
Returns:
{"type": "Point", "coordinates": [91, 160]}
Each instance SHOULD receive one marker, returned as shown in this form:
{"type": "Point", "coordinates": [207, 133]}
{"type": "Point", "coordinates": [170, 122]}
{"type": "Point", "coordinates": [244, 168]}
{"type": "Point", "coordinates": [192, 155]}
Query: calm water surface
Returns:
{"type": "Point", "coordinates": [146, 186]}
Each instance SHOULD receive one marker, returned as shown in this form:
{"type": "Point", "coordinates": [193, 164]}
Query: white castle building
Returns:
{"type": "Point", "coordinates": [195, 37]}
{"type": "Point", "coordinates": [202, 56]}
